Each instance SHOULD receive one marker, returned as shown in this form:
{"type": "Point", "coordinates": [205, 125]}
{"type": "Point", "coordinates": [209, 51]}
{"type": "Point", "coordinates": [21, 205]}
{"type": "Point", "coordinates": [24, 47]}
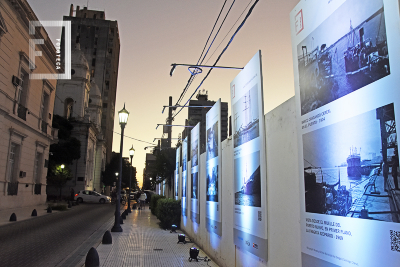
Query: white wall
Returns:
{"type": "Point", "coordinates": [282, 194]}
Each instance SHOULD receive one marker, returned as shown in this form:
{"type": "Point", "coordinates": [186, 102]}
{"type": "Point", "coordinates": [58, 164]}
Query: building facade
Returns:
{"type": "Point", "coordinates": [99, 41]}
{"type": "Point", "coordinates": [26, 107]}
{"type": "Point", "coordinates": [198, 115]}
{"type": "Point", "coordinates": [79, 101]}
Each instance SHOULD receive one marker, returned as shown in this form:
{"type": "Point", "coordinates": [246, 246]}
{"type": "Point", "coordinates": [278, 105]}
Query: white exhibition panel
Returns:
{"type": "Point", "coordinates": [177, 177]}
{"type": "Point", "coordinates": [213, 166]}
{"type": "Point", "coordinates": [194, 163]}
{"type": "Point", "coordinates": [184, 178]}
{"type": "Point", "coordinates": [250, 183]}
{"type": "Point", "coordinates": [347, 75]}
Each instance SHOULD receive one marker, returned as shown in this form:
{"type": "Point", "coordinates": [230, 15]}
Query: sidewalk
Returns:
{"type": "Point", "coordinates": [24, 213]}
{"type": "Point", "coordinates": [143, 243]}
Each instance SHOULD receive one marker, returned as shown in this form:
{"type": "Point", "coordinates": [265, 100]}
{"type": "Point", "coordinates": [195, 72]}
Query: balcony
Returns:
{"type": "Point", "coordinates": [21, 111]}
{"type": "Point", "coordinates": [12, 188]}
{"type": "Point", "coordinates": [38, 189]}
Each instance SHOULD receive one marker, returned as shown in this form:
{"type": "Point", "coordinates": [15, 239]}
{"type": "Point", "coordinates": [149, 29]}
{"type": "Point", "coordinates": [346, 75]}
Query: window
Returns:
{"type": "Point", "coordinates": [22, 94]}
{"type": "Point", "coordinates": [94, 51]}
{"type": "Point", "coordinates": [37, 169]}
{"type": "Point", "coordinates": [104, 105]}
{"type": "Point", "coordinates": [93, 62]}
{"type": "Point", "coordinates": [44, 110]}
{"type": "Point", "coordinates": [12, 164]}
{"type": "Point", "coordinates": [84, 15]}
{"type": "Point", "coordinates": [94, 16]}
{"type": "Point", "coordinates": [92, 74]}
{"type": "Point", "coordinates": [95, 41]}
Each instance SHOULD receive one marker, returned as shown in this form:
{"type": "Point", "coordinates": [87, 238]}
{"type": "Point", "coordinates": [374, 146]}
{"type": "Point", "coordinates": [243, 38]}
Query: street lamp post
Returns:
{"type": "Point", "coordinates": [123, 119]}
{"type": "Point", "coordinates": [131, 153]}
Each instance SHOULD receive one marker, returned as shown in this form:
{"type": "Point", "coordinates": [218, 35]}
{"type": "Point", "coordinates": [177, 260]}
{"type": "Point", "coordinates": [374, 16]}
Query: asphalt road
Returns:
{"type": "Point", "coordinates": [49, 240]}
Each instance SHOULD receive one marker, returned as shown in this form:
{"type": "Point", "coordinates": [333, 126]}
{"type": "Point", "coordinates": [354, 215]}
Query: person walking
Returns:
{"type": "Point", "coordinates": [142, 200]}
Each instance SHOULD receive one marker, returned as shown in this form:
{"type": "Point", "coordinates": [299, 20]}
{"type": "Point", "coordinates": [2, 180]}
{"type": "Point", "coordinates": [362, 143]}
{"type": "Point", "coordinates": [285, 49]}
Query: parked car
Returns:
{"type": "Point", "coordinates": [91, 196]}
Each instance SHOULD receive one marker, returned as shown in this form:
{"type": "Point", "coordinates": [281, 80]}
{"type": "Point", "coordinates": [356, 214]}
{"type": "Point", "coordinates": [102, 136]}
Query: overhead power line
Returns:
{"type": "Point", "coordinates": [215, 50]}
{"type": "Point", "coordinates": [223, 51]}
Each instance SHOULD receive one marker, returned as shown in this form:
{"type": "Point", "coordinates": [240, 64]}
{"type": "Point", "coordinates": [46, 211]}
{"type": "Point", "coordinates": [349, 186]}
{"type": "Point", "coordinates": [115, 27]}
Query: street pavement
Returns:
{"type": "Point", "coordinates": [52, 239]}
{"type": "Point", "coordinates": [143, 243]}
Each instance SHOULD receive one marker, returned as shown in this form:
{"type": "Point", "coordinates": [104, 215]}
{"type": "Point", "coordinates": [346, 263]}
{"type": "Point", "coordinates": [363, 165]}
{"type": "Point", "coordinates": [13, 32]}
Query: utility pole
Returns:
{"type": "Point", "coordinates": [170, 121]}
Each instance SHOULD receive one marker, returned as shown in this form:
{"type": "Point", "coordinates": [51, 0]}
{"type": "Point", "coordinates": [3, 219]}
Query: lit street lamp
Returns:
{"type": "Point", "coordinates": [123, 115]}
{"type": "Point", "coordinates": [131, 153]}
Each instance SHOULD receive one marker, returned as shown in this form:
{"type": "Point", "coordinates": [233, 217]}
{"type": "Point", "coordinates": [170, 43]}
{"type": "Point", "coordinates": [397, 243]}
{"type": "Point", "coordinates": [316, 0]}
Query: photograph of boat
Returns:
{"type": "Point", "coordinates": [353, 185]}
{"type": "Point", "coordinates": [212, 183]}
{"type": "Point", "coordinates": [348, 51]}
{"type": "Point", "coordinates": [248, 180]}
{"type": "Point", "coordinates": [212, 141]}
{"type": "Point", "coordinates": [246, 118]}
{"type": "Point", "coordinates": [184, 183]}
{"type": "Point", "coordinates": [195, 183]}
{"type": "Point", "coordinates": [194, 152]}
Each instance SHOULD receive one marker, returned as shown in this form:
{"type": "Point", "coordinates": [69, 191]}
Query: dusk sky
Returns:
{"type": "Point", "coordinates": [154, 34]}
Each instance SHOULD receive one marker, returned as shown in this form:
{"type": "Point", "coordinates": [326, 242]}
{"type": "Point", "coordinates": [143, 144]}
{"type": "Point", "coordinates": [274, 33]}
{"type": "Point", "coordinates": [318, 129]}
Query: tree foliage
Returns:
{"type": "Point", "coordinates": [109, 174]}
{"type": "Point", "coordinates": [64, 152]}
{"type": "Point", "coordinates": [164, 166]}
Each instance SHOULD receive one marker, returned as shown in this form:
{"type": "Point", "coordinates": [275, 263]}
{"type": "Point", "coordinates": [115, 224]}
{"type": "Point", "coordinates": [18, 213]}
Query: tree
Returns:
{"type": "Point", "coordinates": [164, 166]}
{"type": "Point", "coordinates": [59, 176]}
{"type": "Point", "coordinates": [109, 174]}
{"type": "Point", "coordinates": [64, 153]}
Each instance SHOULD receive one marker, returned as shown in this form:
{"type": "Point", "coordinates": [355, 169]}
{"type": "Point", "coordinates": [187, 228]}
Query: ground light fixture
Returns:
{"type": "Point", "coordinates": [193, 254]}
{"type": "Point", "coordinates": [181, 239]}
{"type": "Point", "coordinates": [173, 227]}
{"type": "Point", "coordinates": [123, 115]}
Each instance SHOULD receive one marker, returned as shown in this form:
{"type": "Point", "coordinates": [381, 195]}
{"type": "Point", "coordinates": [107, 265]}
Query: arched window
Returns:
{"type": "Point", "coordinates": [68, 108]}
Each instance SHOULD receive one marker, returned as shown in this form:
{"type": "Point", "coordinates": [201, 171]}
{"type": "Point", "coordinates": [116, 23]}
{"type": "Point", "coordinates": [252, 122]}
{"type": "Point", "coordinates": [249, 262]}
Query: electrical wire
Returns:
{"type": "Point", "coordinates": [219, 57]}
{"type": "Point", "coordinates": [229, 31]}
{"type": "Point", "coordinates": [218, 31]}
{"type": "Point", "coordinates": [205, 45]}
{"type": "Point", "coordinates": [192, 77]}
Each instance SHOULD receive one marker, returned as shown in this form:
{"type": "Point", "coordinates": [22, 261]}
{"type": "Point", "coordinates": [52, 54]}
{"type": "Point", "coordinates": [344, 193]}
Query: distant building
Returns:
{"type": "Point", "coordinates": [196, 115]}
{"type": "Point", "coordinates": [148, 179]}
{"type": "Point", "coordinates": [26, 108]}
{"type": "Point", "coordinates": [79, 101]}
{"type": "Point", "coordinates": [100, 43]}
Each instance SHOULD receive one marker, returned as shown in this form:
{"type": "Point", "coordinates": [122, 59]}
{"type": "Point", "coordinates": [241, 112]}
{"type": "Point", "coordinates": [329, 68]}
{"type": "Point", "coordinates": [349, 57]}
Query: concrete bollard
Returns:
{"type": "Point", "coordinates": [92, 258]}
{"type": "Point", "coordinates": [121, 221]}
{"type": "Point", "coordinates": [49, 210]}
{"type": "Point", "coordinates": [107, 238]}
{"type": "Point", "coordinates": [123, 216]}
{"type": "Point", "coordinates": [13, 218]}
{"type": "Point", "coordinates": [34, 213]}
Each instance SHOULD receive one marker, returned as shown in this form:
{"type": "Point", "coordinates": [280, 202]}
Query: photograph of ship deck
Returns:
{"type": "Point", "coordinates": [346, 52]}
{"type": "Point", "coordinates": [344, 167]}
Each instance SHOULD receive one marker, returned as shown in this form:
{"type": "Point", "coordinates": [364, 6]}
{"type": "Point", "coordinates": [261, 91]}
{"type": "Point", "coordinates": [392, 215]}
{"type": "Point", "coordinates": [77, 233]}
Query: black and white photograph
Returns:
{"type": "Point", "coordinates": [245, 116]}
{"type": "Point", "coordinates": [194, 153]}
{"type": "Point", "coordinates": [348, 51]}
{"type": "Point", "coordinates": [350, 168]}
{"type": "Point", "coordinates": [248, 180]}
{"type": "Point", "coordinates": [212, 141]}
{"type": "Point", "coordinates": [195, 185]}
{"type": "Point", "coordinates": [212, 183]}
{"type": "Point", "coordinates": [184, 183]}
